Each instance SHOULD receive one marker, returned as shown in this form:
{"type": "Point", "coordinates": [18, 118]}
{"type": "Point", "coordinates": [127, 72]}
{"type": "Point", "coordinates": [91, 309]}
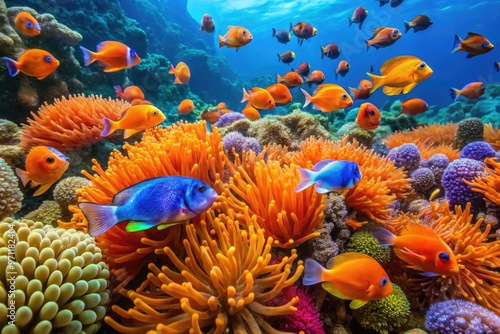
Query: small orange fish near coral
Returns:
{"type": "Point", "coordinates": [413, 107]}
{"type": "Point", "coordinates": [328, 97]}
{"type": "Point", "coordinates": [134, 119]}
{"type": "Point", "coordinates": [250, 112]}
{"type": "Point", "coordinates": [473, 90]}
{"type": "Point", "coordinates": [259, 98]}
{"type": "Point", "coordinates": [290, 79]}
{"type": "Point", "coordinates": [114, 56]}
{"type": "Point", "coordinates": [280, 93]}
{"type": "Point", "coordinates": [27, 24]}
{"type": "Point", "coordinates": [181, 72]}
{"type": "Point", "coordinates": [130, 93]}
{"type": "Point", "coordinates": [351, 276]}
{"type": "Point", "coordinates": [420, 247]}
{"type": "Point", "coordinates": [369, 117]}
{"type": "Point", "coordinates": [186, 106]}
{"type": "Point", "coordinates": [236, 37]}
{"type": "Point", "coordinates": [211, 116]}
{"type": "Point", "coordinates": [363, 92]}
{"type": "Point", "coordinates": [44, 166]}
{"type": "Point", "coordinates": [33, 62]}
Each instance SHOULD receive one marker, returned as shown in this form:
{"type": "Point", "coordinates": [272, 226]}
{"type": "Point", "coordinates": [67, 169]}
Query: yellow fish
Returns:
{"type": "Point", "coordinates": [400, 75]}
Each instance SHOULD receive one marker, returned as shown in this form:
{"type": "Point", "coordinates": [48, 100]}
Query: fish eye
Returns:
{"type": "Point", "coordinates": [444, 256]}
{"type": "Point", "coordinates": [284, 95]}
{"type": "Point", "coordinates": [269, 101]}
{"type": "Point", "coordinates": [209, 17]}
{"type": "Point", "coordinates": [395, 32]}
{"type": "Point", "coordinates": [383, 282]}
{"type": "Point", "coordinates": [132, 53]}
{"type": "Point", "coordinates": [421, 65]}
{"type": "Point", "coordinates": [371, 112]}
{"type": "Point", "coordinates": [155, 113]}
{"type": "Point", "coordinates": [344, 96]}
{"type": "Point", "coordinates": [482, 88]}
{"type": "Point", "coordinates": [48, 59]}
{"type": "Point", "coordinates": [29, 24]}
{"type": "Point", "coordinates": [485, 44]}
{"type": "Point", "coordinates": [347, 65]}
{"type": "Point", "coordinates": [244, 32]}
{"type": "Point", "coordinates": [50, 160]}
{"type": "Point", "coordinates": [202, 189]}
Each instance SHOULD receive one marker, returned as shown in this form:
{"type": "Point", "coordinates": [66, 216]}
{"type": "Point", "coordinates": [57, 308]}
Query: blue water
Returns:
{"type": "Point", "coordinates": [330, 18]}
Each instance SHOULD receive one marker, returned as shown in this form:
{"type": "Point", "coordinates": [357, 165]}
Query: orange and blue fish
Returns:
{"type": "Point", "coordinates": [474, 44]}
{"type": "Point", "coordinates": [33, 62]}
{"type": "Point", "coordinates": [473, 90]}
{"type": "Point", "coordinates": [114, 56]}
{"type": "Point", "coordinates": [27, 24]}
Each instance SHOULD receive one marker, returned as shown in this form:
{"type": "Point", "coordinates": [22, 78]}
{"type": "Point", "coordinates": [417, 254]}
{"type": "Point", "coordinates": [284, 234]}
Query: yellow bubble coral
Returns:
{"type": "Point", "coordinates": [54, 280]}
{"type": "Point", "coordinates": [222, 284]}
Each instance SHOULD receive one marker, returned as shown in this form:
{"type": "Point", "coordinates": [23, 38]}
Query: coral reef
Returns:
{"type": "Point", "coordinates": [478, 150]}
{"type": "Point", "coordinates": [468, 131]}
{"type": "Point", "coordinates": [229, 118]}
{"type": "Point", "coordinates": [365, 242]}
{"type": "Point", "coordinates": [48, 213]}
{"type": "Point", "coordinates": [236, 141]}
{"type": "Point", "coordinates": [71, 123]}
{"type": "Point", "coordinates": [488, 185]}
{"type": "Point", "coordinates": [422, 179]}
{"type": "Point", "coordinates": [406, 155]}
{"type": "Point", "coordinates": [456, 190]}
{"type": "Point", "coordinates": [222, 284]}
{"type": "Point", "coordinates": [437, 163]}
{"type": "Point", "coordinates": [10, 194]}
{"type": "Point", "coordinates": [60, 281]}
{"type": "Point", "coordinates": [65, 194]}
{"type": "Point", "coordinates": [492, 135]}
{"type": "Point", "coordinates": [437, 133]}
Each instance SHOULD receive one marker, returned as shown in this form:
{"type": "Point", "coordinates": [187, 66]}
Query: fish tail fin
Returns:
{"type": "Point", "coordinates": [118, 91]}
{"type": "Point", "coordinates": [306, 176]}
{"type": "Point", "coordinates": [291, 27]}
{"type": "Point", "coordinates": [278, 78]}
{"type": "Point", "coordinates": [457, 44]}
{"type": "Point", "coordinates": [496, 66]}
{"type": "Point", "coordinates": [367, 41]}
{"type": "Point", "coordinates": [350, 21]}
{"type": "Point", "coordinates": [171, 70]}
{"type": "Point", "coordinates": [279, 58]}
{"type": "Point", "coordinates": [274, 32]}
{"type": "Point", "coordinates": [109, 127]}
{"type": "Point", "coordinates": [23, 175]}
{"type": "Point", "coordinates": [88, 56]}
{"type": "Point", "coordinates": [407, 26]}
{"type": "Point", "coordinates": [221, 41]}
{"type": "Point", "coordinates": [246, 97]}
{"type": "Point", "coordinates": [377, 81]}
{"type": "Point", "coordinates": [322, 52]}
{"type": "Point", "coordinates": [313, 272]}
{"type": "Point", "coordinates": [100, 218]}
{"type": "Point", "coordinates": [11, 65]}
{"type": "Point", "coordinates": [355, 92]}
{"type": "Point", "coordinates": [384, 237]}
{"type": "Point", "coordinates": [454, 93]}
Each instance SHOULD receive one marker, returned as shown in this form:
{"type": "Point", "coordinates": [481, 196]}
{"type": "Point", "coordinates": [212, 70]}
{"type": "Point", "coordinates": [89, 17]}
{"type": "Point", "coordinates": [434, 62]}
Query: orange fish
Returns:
{"type": "Point", "coordinates": [236, 37]}
{"type": "Point", "coordinates": [369, 117]}
{"type": "Point", "coordinates": [474, 44]}
{"type": "Point", "coordinates": [280, 93]}
{"type": "Point", "coordinates": [186, 106]}
{"type": "Point", "coordinates": [413, 107]}
{"type": "Point", "coordinates": [33, 62]}
{"type": "Point", "coordinates": [130, 93]}
{"type": "Point", "coordinates": [290, 79]}
{"type": "Point", "coordinates": [328, 97]}
{"type": "Point", "coordinates": [114, 56]}
{"type": "Point", "coordinates": [27, 24]}
{"type": "Point", "coordinates": [474, 90]}
{"type": "Point", "coordinates": [259, 98]}
{"type": "Point", "coordinates": [211, 116]}
{"type": "Point", "coordinates": [44, 166]}
{"type": "Point", "coordinates": [181, 72]}
{"type": "Point", "coordinates": [316, 77]}
{"type": "Point", "coordinates": [383, 37]}
{"type": "Point", "coordinates": [134, 119]}
{"type": "Point", "coordinates": [363, 92]}
{"type": "Point", "coordinates": [351, 276]}
{"type": "Point", "coordinates": [250, 112]}
{"type": "Point", "coordinates": [342, 69]}
{"type": "Point", "coordinates": [420, 247]}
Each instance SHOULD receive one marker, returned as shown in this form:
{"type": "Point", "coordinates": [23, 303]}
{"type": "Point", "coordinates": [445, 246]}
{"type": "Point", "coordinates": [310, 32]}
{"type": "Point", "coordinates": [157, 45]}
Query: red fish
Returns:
{"type": "Point", "coordinates": [474, 44]}
{"type": "Point", "coordinates": [114, 56]}
{"type": "Point", "coordinates": [236, 37]}
{"type": "Point", "coordinates": [280, 93]}
{"type": "Point", "coordinates": [316, 77]}
{"type": "Point", "coordinates": [44, 166]}
{"type": "Point", "coordinates": [290, 79]}
{"type": "Point", "coordinates": [181, 72]}
{"type": "Point", "coordinates": [419, 23]}
{"type": "Point", "coordinates": [369, 117]}
{"type": "Point", "coordinates": [358, 16]}
{"type": "Point", "coordinates": [413, 107]}
{"type": "Point", "coordinates": [130, 93]}
{"type": "Point", "coordinates": [342, 69]}
{"type": "Point", "coordinates": [383, 37]}
{"type": "Point", "coordinates": [473, 90]}
{"type": "Point", "coordinates": [332, 51]}
{"type": "Point", "coordinates": [207, 24]}
{"type": "Point", "coordinates": [363, 92]}
{"type": "Point", "coordinates": [27, 24]}
{"type": "Point", "coordinates": [303, 31]}
{"type": "Point", "coordinates": [33, 62]}
{"type": "Point", "coordinates": [303, 69]}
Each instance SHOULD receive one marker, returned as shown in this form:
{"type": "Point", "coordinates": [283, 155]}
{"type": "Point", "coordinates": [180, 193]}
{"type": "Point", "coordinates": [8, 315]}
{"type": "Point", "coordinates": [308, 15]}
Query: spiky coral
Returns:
{"type": "Point", "coordinates": [222, 284]}
{"type": "Point", "coordinates": [489, 184]}
{"type": "Point", "coordinates": [492, 135]}
{"type": "Point", "coordinates": [432, 134]}
{"type": "Point", "coordinates": [69, 123]}
{"type": "Point", "coordinates": [267, 189]}
{"type": "Point", "coordinates": [478, 257]}
{"type": "Point", "coordinates": [381, 181]}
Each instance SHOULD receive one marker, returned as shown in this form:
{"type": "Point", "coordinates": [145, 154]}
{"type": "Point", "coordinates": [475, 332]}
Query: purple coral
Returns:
{"type": "Point", "coordinates": [422, 179]}
{"type": "Point", "coordinates": [461, 317]}
{"type": "Point", "coordinates": [478, 150]}
{"type": "Point", "coordinates": [437, 164]}
{"type": "Point", "coordinates": [240, 143]}
{"type": "Point", "coordinates": [229, 118]}
{"type": "Point", "coordinates": [406, 155]}
{"type": "Point", "coordinates": [456, 191]}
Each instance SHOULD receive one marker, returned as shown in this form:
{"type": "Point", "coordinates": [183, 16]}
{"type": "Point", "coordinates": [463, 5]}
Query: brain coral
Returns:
{"type": "Point", "coordinates": [488, 185]}
{"type": "Point", "coordinates": [10, 194]}
{"type": "Point", "coordinates": [59, 279]}
{"type": "Point", "coordinates": [70, 123]}
{"type": "Point", "coordinates": [65, 193]}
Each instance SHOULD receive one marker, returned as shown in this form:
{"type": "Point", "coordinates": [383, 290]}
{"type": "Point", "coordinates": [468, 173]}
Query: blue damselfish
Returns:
{"type": "Point", "coordinates": [162, 201]}
{"type": "Point", "coordinates": [330, 175]}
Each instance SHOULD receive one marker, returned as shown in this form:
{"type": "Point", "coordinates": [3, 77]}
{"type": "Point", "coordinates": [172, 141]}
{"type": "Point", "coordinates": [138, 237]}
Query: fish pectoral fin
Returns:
{"type": "Point", "coordinates": [129, 133]}
{"type": "Point", "coordinates": [43, 188]}
{"type": "Point", "coordinates": [429, 274]}
{"type": "Point", "coordinates": [356, 303]}
{"type": "Point", "coordinates": [136, 226]}
{"type": "Point", "coordinates": [321, 189]}
{"type": "Point", "coordinates": [470, 55]}
{"type": "Point", "coordinates": [331, 289]}
{"type": "Point", "coordinates": [409, 88]}
{"type": "Point", "coordinates": [392, 90]}
{"type": "Point", "coordinates": [408, 256]}
{"type": "Point", "coordinates": [164, 226]}
{"type": "Point", "coordinates": [109, 69]}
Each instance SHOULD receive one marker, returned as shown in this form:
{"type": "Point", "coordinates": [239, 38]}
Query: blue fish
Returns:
{"type": "Point", "coordinates": [162, 201]}
{"type": "Point", "coordinates": [330, 175]}
{"type": "Point", "coordinates": [283, 36]}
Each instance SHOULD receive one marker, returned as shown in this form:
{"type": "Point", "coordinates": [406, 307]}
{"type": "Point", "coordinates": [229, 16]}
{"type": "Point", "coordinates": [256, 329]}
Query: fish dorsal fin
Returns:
{"type": "Point", "coordinates": [416, 228]}
{"type": "Point", "coordinates": [123, 196]}
{"type": "Point", "coordinates": [376, 31]}
{"type": "Point", "coordinates": [320, 165]}
{"type": "Point", "coordinates": [230, 27]}
{"type": "Point", "coordinates": [390, 64]}
{"type": "Point", "coordinates": [470, 34]}
{"type": "Point", "coordinates": [349, 256]}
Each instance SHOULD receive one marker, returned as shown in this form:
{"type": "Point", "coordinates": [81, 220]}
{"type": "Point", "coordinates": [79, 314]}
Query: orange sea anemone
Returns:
{"type": "Point", "coordinates": [488, 184]}
{"type": "Point", "coordinates": [221, 285]}
{"type": "Point", "coordinates": [492, 136]}
{"type": "Point", "coordinates": [432, 134]}
{"type": "Point", "coordinates": [427, 151]}
{"type": "Point", "coordinates": [69, 123]}
{"type": "Point", "coordinates": [381, 181]}
{"type": "Point", "coordinates": [478, 258]}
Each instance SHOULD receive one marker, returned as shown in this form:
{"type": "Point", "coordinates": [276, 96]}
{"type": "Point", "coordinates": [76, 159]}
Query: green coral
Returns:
{"type": "Point", "coordinates": [365, 242]}
{"type": "Point", "coordinates": [385, 315]}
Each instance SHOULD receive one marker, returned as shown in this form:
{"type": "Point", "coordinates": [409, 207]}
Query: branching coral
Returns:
{"type": "Point", "coordinates": [477, 256]}
{"type": "Point", "coordinates": [492, 135]}
{"type": "Point", "coordinates": [381, 181]}
{"type": "Point", "coordinates": [267, 189]}
{"type": "Point", "coordinates": [59, 279]}
{"type": "Point", "coordinates": [433, 134]}
{"type": "Point", "coordinates": [222, 284]}
{"type": "Point", "coordinates": [70, 123]}
{"type": "Point", "coordinates": [489, 184]}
